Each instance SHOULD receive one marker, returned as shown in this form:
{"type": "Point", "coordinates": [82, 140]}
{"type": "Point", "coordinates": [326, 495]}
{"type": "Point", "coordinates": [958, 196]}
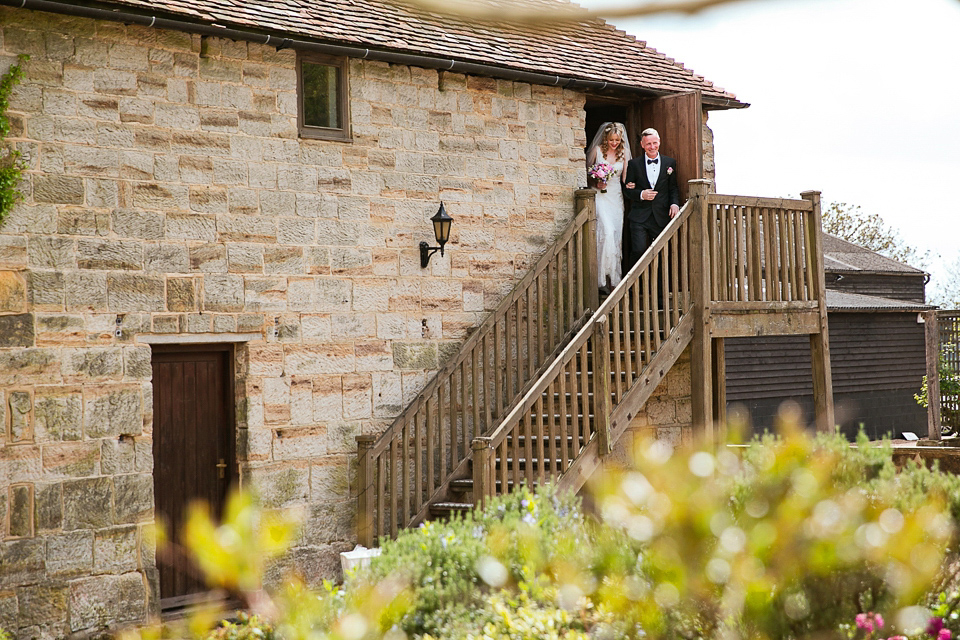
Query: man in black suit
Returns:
{"type": "Point", "coordinates": [651, 187]}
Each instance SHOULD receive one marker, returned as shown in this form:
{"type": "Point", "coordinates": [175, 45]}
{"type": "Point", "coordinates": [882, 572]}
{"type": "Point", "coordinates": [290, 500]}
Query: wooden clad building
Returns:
{"type": "Point", "coordinates": [877, 350]}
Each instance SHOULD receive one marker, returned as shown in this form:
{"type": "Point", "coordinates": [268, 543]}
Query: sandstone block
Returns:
{"type": "Point", "coordinates": [112, 411]}
{"type": "Point", "coordinates": [225, 323]}
{"type": "Point", "coordinates": [283, 260]}
{"type": "Point", "coordinates": [58, 189]}
{"type": "Point", "coordinates": [42, 604]}
{"type": "Point", "coordinates": [374, 355]}
{"type": "Point", "coordinates": [17, 330]}
{"type": "Point", "coordinates": [93, 363]}
{"type": "Point", "coordinates": [300, 443]}
{"type": "Point", "coordinates": [387, 395]}
{"type": "Point", "coordinates": [414, 355]}
{"type": "Point", "coordinates": [205, 199]}
{"type": "Point", "coordinates": [165, 258]}
{"type": "Point", "coordinates": [129, 292]}
{"type": "Point", "coordinates": [48, 501]}
{"type": "Point", "coordinates": [223, 293]}
{"type": "Point", "coordinates": [330, 482]}
{"type": "Point", "coordinates": [244, 258]}
{"type": "Point", "coordinates": [70, 553]}
{"type": "Point", "coordinates": [58, 414]}
{"type": "Point", "coordinates": [87, 504]}
{"type": "Point", "coordinates": [71, 459]}
{"type": "Point", "coordinates": [109, 255]}
{"type": "Point", "coordinates": [136, 363]}
{"type": "Point", "coordinates": [210, 258]}
{"type": "Point", "coordinates": [20, 415]}
{"type": "Point", "coordinates": [86, 291]}
{"type": "Point", "coordinates": [319, 294]}
{"type": "Point", "coordinates": [115, 550]}
{"type": "Point", "coordinates": [182, 294]}
{"type": "Point", "coordinates": [330, 522]}
{"type": "Point", "coordinates": [282, 486]}
{"type": "Point", "coordinates": [319, 359]}
{"type": "Point", "coordinates": [22, 561]}
{"type": "Point", "coordinates": [137, 224]}
{"type": "Point", "coordinates": [264, 293]}
{"type": "Point", "coordinates": [20, 511]}
{"type": "Point", "coordinates": [51, 253]}
{"type": "Point", "coordinates": [246, 229]}
{"type": "Point", "coordinates": [357, 391]}
{"type": "Point", "coordinates": [83, 222]}
{"type": "Point", "coordinates": [46, 290]}
{"type": "Point", "coordinates": [117, 456]}
{"type": "Point", "coordinates": [107, 600]}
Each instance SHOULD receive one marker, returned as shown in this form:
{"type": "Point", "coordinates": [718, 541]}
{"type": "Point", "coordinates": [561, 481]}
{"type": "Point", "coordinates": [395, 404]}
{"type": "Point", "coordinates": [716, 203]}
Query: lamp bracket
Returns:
{"type": "Point", "coordinates": [426, 252]}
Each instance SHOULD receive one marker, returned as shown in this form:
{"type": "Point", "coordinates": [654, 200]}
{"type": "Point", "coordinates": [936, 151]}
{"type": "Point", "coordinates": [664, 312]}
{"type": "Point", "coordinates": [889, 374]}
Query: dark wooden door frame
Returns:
{"type": "Point", "coordinates": [171, 563]}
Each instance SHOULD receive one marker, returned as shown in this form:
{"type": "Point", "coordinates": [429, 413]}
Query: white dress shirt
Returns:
{"type": "Point", "coordinates": [653, 170]}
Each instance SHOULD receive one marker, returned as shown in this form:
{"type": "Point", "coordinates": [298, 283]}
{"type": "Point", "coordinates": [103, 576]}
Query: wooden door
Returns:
{"type": "Point", "coordinates": [678, 119]}
{"type": "Point", "coordinates": [193, 448]}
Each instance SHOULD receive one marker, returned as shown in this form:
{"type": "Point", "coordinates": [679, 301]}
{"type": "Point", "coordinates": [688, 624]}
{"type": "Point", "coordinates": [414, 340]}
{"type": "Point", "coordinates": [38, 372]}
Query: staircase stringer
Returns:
{"type": "Point", "coordinates": [632, 402]}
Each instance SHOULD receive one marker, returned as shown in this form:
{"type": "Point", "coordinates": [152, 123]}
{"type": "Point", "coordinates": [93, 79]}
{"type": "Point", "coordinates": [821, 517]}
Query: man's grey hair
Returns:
{"type": "Point", "coordinates": [649, 131]}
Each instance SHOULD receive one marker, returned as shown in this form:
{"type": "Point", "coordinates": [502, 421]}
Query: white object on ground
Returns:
{"type": "Point", "coordinates": [359, 557]}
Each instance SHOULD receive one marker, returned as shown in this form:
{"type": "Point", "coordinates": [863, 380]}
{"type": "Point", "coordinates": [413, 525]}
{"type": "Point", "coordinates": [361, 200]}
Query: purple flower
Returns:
{"type": "Point", "coordinates": [944, 634]}
{"type": "Point", "coordinates": [879, 620]}
{"type": "Point", "coordinates": [864, 621]}
{"type": "Point", "coordinates": [934, 626]}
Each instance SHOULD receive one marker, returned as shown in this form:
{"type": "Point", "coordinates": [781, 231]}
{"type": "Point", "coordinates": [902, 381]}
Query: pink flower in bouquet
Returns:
{"type": "Point", "coordinates": [601, 172]}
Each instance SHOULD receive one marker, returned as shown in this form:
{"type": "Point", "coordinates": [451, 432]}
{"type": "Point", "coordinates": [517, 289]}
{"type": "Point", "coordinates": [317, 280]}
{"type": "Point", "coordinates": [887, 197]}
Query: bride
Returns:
{"type": "Point", "coordinates": [610, 147]}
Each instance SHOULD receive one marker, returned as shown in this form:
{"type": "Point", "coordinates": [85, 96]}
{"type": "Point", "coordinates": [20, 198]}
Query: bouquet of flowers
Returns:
{"type": "Point", "coordinates": [600, 172]}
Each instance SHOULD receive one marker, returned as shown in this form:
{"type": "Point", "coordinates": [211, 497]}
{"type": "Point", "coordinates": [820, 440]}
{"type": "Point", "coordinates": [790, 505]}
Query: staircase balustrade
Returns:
{"type": "Point", "coordinates": [545, 388]}
{"type": "Point", "coordinates": [411, 464]}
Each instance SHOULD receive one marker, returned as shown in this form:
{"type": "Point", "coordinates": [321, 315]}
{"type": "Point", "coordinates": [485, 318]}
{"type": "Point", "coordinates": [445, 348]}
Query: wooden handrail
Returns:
{"type": "Point", "coordinates": [414, 459]}
{"type": "Point", "coordinates": [589, 377]}
{"type": "Point", "coordinates": [752, 253]}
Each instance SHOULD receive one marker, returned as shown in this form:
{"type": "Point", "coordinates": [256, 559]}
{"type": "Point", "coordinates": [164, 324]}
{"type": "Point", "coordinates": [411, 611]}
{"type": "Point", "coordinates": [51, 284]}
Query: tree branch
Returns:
{"type": "Point", "coordinates": [473, 10]}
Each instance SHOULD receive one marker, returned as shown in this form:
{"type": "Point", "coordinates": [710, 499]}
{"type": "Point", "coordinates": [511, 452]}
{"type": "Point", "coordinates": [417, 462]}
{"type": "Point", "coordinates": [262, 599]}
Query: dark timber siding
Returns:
{"type": "Point", "coordinates": [895, 286]}
{"type": "Point", "coordinates": [877, 362]}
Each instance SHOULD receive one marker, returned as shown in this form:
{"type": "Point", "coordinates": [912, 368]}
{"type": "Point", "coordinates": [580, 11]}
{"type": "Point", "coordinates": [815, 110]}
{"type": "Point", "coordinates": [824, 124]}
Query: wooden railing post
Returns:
{"type": "Point", "coordinates": [586, 198]}
{"type": "Point", "coordinates": [483, 486]}
{"type": "Point", "coordinates": [819, 342]}
{"type": "Point", "coordinates": [701, 368]}
{"type": "Point", "coordinates": [602, 406]}
{"type": "Point", "coordinates": [931, 332]}
{"type": "Point", "coordinates": [365, 483]}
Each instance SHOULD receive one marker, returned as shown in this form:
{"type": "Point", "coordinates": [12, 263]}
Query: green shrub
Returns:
{"type": "Point", "coordinates": [789, 537]}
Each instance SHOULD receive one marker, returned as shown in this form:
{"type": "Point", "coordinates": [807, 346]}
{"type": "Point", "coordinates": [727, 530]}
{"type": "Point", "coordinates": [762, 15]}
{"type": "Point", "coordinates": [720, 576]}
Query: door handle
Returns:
{"type": "Point", "coordinates": [221, 468]}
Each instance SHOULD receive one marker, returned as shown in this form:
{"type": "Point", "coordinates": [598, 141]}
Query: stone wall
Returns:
{"type": "Point", "coordinates": [709, 158]}
{"type": "Point", "coordinates": [667, 416]}
{"type": "Point", "coordinates": [167, 187]}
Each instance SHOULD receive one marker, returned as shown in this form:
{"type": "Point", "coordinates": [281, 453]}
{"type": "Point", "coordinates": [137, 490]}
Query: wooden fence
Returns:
{"type": "Point", "coordinates": [949, 327]}
{"type": "Point", "coordinates": [430, 442]}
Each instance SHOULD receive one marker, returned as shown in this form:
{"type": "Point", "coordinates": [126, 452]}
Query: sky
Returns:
{"type": "Point", "coordinates": [859, 99]}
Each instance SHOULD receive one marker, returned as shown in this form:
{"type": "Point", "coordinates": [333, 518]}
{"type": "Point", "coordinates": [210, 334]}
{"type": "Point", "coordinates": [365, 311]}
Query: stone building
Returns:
{"type": "Point", "coordinates": [221, 213]}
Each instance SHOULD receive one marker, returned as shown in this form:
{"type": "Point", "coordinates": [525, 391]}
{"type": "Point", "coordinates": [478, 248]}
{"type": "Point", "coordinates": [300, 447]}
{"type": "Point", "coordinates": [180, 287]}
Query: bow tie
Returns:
{"type": "Point", "coordinates": [654, 161]}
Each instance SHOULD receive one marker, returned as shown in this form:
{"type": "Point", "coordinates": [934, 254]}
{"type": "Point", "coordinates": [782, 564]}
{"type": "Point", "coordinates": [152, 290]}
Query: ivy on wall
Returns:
{"type": "Point", "coordinates": [11, 165]}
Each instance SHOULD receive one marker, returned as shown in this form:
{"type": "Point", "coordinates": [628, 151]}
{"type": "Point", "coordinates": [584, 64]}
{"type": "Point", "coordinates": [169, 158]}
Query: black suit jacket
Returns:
{"type": "Point", "coordinates": [654, 214]}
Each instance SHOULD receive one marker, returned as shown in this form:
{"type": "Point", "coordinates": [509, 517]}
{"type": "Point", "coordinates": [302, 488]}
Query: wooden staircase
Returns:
{"type": "Point", "coordinates": [544, 389]}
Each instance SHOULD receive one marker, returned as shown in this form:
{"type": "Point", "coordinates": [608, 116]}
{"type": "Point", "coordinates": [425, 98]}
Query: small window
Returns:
{"type": "Point", "coordinates": [322, 97]}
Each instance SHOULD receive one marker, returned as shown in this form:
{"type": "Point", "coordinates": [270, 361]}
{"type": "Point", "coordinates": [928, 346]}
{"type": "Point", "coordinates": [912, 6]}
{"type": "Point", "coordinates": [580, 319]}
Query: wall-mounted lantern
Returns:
{"type": "Point", "coordinates": [441, 229]}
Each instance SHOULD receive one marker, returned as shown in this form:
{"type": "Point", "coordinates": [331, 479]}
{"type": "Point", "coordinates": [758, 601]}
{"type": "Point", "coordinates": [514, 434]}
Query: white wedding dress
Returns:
{"type": "Point", "coordinates": [610, 229]}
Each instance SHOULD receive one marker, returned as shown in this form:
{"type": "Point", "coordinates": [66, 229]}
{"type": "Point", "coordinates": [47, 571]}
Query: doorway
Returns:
{"type": "Point", "coordinates": [598, 113]}
{"type": "Point", "coordinates": [193, 450]}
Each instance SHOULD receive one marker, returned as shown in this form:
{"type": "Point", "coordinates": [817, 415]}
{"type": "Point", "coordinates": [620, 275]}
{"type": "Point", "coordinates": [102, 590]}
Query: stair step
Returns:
{"type": "Point", "coordinates": [448, 508]}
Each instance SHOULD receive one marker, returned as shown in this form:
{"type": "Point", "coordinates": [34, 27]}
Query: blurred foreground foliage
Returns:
{"type": "Point", "coordinates": [787, 537]}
